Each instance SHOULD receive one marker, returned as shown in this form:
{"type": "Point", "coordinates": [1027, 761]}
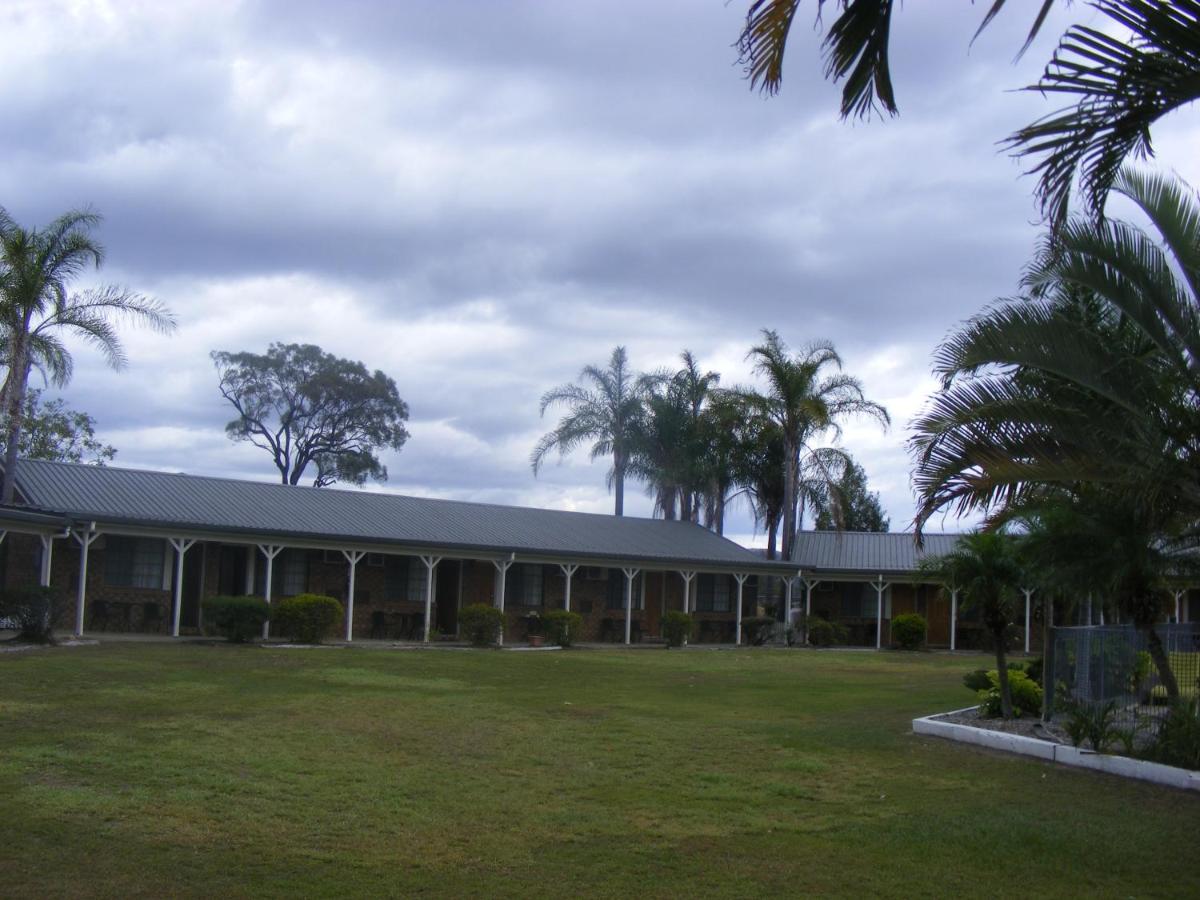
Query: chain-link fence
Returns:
{"type": "Point", "coordinates": [1097, 665]}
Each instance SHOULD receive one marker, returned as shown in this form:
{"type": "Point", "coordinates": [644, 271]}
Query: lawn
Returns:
{"type": "Point", "coordinates": [155, 770]}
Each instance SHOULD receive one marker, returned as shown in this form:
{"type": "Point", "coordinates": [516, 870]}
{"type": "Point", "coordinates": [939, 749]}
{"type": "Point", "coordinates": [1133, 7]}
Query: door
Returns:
{"type": "Point", "coordinates": [446, 596]}
{"type": "Point", "coordinates": [193, 582]}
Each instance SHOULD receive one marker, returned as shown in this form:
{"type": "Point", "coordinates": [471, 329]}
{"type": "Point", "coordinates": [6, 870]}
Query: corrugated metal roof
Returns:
{"type": "Point", "coordinates": [868, 552]}
{"type": "Point", "coordinates": [161, 499]}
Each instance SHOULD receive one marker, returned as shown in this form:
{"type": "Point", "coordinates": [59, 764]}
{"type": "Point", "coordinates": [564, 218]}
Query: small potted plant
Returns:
{"type": "Point", "coordinates": [533, 627]}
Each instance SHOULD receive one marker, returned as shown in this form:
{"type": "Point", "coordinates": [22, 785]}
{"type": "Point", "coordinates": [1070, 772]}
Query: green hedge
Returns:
{"type": "Point", "coordinates": [823, 633]}
{"type": "Point", "coordinates": [239, 619]}
{"type": "Point", "coordinates": [757, 629]}
{"type": "Point", "coordinates": [481, 624]}
{"type": "Point", "coordinates": [307, 618]}
{"type": "Point", "coordinates": [562, 627]}
{"type": "Point", "coordinates": [908, 631]}
{"type": "Point", "coordinates": [677, 627]}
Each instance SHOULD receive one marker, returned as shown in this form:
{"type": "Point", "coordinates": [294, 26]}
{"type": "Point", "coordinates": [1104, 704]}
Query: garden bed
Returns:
{"type": "Point", "coordinates": [966, 726]}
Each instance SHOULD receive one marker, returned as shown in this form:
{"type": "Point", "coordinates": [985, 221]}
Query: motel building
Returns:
{"type": "Point", "coordinates": [136, 551]}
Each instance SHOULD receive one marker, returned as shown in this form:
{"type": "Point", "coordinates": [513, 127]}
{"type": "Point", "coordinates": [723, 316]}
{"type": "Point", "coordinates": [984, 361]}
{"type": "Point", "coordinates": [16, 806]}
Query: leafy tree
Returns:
{"type": "Point", "coordinates": [986, 568]}
{"type": "Point", "coordinates": [37, 267]}
{"type": "Point", "coordinates": [305, 406]}
{"type": "Point", "coordinates": [605, 410]}
{"type": "Point", "coordinates": [53, 431]}
{"type": "Point", "coordinates": [806, 405]}
{"type": "Point", "coordinates": [849, 505]}
{"type": "Point", "coordinates": [1121, 86]}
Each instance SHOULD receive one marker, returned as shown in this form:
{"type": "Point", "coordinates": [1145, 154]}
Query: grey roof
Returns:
{"type": "Point", "coordinates": [222, 505]}
{"type": "Point", "coordinates": [871, 553]}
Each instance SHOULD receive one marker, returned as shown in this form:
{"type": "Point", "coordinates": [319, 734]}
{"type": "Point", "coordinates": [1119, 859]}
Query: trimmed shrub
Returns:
{"type": "Point", "coordinates": [29, 609]}
{"type": "Point", "coordinates": [1026, 695]}
{"type": "Point", "coordinates": [977, 681]}
{"type": "Point", "coordinates": [480, 624]}
{"type": "Point", "coordinates": [1178, 739]}
{"type": "Point", "coordinates": [823, 633]}
{"type": "Point", "coordinates": [756, 630]}
{"type": "Point", "coordinates": [239, 619]}
{"type": "Point", "coordinates": [677, 627]}
{"type": "Point", "coordinates": [307, 618]}
{"type": "Point", "coordinates": [908, 631]}
{"type": "Point", "coordinates": [562, 626]}
{"type": "Point", "coordinates": [1033, 669]}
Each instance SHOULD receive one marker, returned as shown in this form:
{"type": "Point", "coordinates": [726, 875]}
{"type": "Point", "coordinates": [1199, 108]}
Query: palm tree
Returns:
{"type": "Point", "coordinates": [806, 405]}
{"type": "Point", "coordinates": [1080, 401]}
{"type": "Point", "coordinates": [760, 466]}
{"type": "Point", "coordinates": [1121, 85]}
{"type": "Point", "coordinates": [36, 269]}
{"type": "Point", "coordinates": [985, 567]}
{"type": "Point", "coordinates": [606, 410]}
{"type": "Point", "coordinates": [1092, 375]}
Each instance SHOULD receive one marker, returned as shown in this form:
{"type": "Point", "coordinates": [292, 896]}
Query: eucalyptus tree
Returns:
{"type": "Point", "coordinates": [986, 569]}
{"type": "Point", "coordinates": [306, 407]}
{"type": "Point", "coordinates": [1121, 79]}
{"type": "Point", "coordinates": [605, 408]}
{"type": "Point", "coordinates": [808, 406]}
{"type": "Point", "coordinates": [37, 308]}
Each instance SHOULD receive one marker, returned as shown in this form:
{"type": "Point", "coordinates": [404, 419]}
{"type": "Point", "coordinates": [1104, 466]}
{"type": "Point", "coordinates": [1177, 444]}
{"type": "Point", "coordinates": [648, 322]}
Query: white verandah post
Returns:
{"type": "Point", "coordinates": [880, 586]}
{"type": "Point", "coordinates": [1178, 604]}
{"type": "Point", "coordinates": [630, 574]}
{"type": "Point", "coordinates": [431, 564]}
{"type": "Point", "coordinates": [353, 557]}
{"type": "Point", "coordinates": [568, 570]}
{"type": "Point", "coordinates": [270, 551]}
{"type": "Point", "coordinates": [47, 557]}
{"type": "Point", "coordinates": [687, 576]}
{"type": "Point", "coordinates": [953, 617]}
{"type": "Point", "coordinates": [181, 547]}
{"type": "Point", "coordinates": [85, 539]}
{"type": "Point", "coordinates": [809, 585]}
{"type": "Point", "coordinates": [737, 635]}
{"type": "Point", "coordinates": [502, 567]}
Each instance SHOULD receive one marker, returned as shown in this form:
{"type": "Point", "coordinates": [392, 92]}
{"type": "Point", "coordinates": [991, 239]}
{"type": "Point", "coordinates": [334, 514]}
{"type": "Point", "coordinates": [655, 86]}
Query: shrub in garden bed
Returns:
{"type": "Point", "coordinates": [1026, 695]}
{"type": "Point", "coordinates": [481, 624]}
{"type": "Point", "coordinates": [677, 627]}
{"type": "Point", "coordinates": [908, 631]}
{"type": "Point", "coordinates": [562, 627]}
{"type": "Point", "coordinates": [756, 629]}
{"type": "Point", "coordinates": [239, 619]}
{"type": "Point", "coordinates": [29, 609]}
{"type": "Point", "coordinates": [307, 618]}
{"type": "Point", "coordinates": [823, 633]}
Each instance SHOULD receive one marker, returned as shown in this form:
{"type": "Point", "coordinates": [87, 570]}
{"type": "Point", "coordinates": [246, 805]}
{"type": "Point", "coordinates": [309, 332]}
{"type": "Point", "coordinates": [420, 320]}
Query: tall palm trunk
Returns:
{"type": "Point", "coordinates": [14, 402]}
{"type": "Point", "coordinates": [772, 530]}
{"type": "Point", "coordinates": [790, 477]}
{"type": "Point", "coordinates": [1006, 707]}
{"type": "Point", "coordinates": [619, 482]}
{"type": "Point", "coordinates": [1162, 662]}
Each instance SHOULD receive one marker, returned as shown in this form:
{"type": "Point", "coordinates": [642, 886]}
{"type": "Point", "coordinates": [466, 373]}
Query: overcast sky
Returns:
{"type": "Point", "coordinates": [481, 197]}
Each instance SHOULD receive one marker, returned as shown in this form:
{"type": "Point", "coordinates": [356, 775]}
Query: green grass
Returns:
{"type": "Point", "coordinates": [156, 770]}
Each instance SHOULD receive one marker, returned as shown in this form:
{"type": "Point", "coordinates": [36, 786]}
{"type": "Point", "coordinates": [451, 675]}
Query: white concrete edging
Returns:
{"type": "Point", "coordinates": [1059, 753]}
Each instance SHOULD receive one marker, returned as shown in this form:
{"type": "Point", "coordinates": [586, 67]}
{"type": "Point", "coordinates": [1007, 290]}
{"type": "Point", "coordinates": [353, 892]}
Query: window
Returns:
{"type": "Point", "coordinates": [290, 572]}
{"type": "Point", "coordinates": [861, 601]}
{"type": "Point", "coordinates": [523, 585]}
{"type": "Point", "coordinates": [615, 597]}
{"type": "Point", "coordinates": [712, 594]}
{"type": "Point", "coordinates": [375, 560]}
{"type": "Point", "coordinates": [404, 579]}
{"type": "Point", "coordinates": [133, 562]}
